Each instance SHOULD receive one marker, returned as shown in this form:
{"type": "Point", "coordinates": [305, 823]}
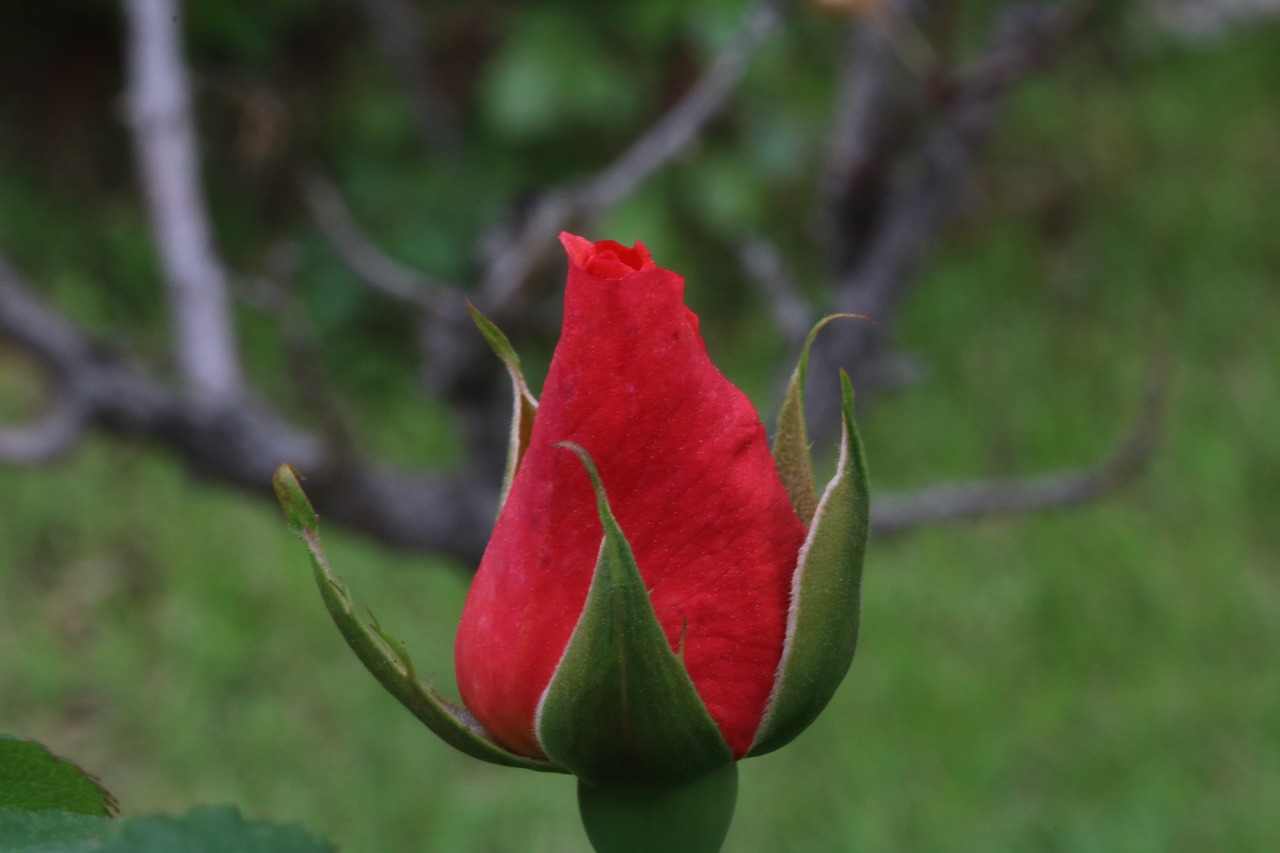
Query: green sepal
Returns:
{"type": "Point", "coordinates": [525, 405]}
{"type": "Point", "coordinates": [620, 709]}
{"type": "Point", "coordinates": [822, 625]}
{"type": "Point", "coordinates": [692, 818]}
{"type": "Point", "coordinates": [791, 442]}
{"type": "Point", "coordinates": [383, 655]}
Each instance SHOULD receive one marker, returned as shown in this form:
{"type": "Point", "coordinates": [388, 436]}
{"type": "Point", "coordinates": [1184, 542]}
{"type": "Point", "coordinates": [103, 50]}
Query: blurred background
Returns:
{"type": "Point", "coordinates": [1071, 625]}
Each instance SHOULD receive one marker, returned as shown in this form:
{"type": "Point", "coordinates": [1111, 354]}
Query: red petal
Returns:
{"type": "Point", "coordinates": [689, 475]}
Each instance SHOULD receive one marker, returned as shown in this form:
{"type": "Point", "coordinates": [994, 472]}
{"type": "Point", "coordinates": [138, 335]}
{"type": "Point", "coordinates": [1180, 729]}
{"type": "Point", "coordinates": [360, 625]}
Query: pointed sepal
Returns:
{"type": "Point", "coordinates": [822, 625]}
{"type": "Point", "coordinates": [791, 441]}
{"type": "Point", "coordinates": [525, 405]}
{"type": "Point", "coordinates": [383, 655]}
{"type": "Point", "coordinates": [620, 710]}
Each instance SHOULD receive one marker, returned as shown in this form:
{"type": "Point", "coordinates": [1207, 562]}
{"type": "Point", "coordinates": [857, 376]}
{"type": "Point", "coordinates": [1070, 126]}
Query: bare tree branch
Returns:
{"type": "Point", "coordinates": [1072, 487]}
{"type": "Point", "coordinates": [520, 252]}
{"type": "Point", "coordinates": [888, 213]}
{"type": "Point", "coordinates": [375, 267]}
{"type": "Point", "coordinates": [241, 442]}
{"type": "Point", "coordinates": [159, 115]}
{"type": "Point", "coordinates": [455, 362]}
{"type": "Point", "coordinates": [676, 130]}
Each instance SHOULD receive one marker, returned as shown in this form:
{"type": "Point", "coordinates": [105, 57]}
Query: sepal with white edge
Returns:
{"type": "Point", "coordinates": [791, 441]}
{"type": "Point", "coordinates": [822, 624]}
{"type": "Point", "coordinates": [383, 655]}
{"type": "Point", "coordinates": [620, 709]}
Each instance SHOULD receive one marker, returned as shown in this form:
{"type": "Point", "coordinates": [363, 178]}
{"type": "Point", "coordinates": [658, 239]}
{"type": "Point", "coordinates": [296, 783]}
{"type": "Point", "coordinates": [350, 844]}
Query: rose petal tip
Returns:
{"type": "Point", "coordinates": [606, 259]}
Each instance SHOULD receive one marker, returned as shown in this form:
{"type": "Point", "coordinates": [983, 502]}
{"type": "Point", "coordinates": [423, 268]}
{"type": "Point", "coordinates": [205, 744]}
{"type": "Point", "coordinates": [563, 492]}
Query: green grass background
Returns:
{"type": "Point", "coordinates": [1101, 679]}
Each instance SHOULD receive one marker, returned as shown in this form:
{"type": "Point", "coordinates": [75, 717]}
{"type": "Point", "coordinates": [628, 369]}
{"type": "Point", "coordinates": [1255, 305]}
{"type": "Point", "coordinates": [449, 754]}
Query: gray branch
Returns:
{"type": "Point", "coordinates": [235, 441]}
{"type": "Point", "coordinates": [51, 437]}
{"type": "Point", "coordinates": [889, 207]}
{"type": "Point", "coordinates": [1072, 487]}
{"type": "Point", "coordinates": [375, 267]}
{"type": "Point", "coordinates": [159, 116]}
{"type": "Point", "coordinates": [676, 130]}
{"type": "Point", "coordinates": [519, 252]}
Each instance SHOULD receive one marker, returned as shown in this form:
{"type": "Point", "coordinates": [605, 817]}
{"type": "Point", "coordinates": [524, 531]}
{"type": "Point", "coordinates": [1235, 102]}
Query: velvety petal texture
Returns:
{"type": "Point", "coordinates": [683, 457]}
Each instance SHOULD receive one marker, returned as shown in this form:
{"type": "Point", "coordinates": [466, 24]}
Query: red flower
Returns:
{"type": "Point", "coordinates": [686, 465]}
{"type": "Point", "coordinates": [665, 599]}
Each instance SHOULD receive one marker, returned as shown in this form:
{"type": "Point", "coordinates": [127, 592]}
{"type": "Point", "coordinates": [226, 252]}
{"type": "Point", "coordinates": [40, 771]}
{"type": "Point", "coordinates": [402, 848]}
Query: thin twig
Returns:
{"type": "Point", "coordinates": [676, 130]}
{"type": "Point", "coordinates": [374, 266]}
{"type": "Point", "coordinates": [1072, 487]}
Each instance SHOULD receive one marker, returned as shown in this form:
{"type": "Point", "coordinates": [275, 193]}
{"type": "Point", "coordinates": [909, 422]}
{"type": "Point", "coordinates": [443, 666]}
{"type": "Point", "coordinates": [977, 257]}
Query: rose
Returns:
{"type": "Point", "coordinates": [662, 595]}
{"type": "Point", "coordinates": [684, 460]}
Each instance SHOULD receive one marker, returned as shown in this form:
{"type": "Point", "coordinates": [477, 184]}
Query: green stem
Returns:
{"type": "Point", "coordinates": [693, 818]}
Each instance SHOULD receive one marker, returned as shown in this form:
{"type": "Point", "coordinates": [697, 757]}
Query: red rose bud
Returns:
{"type": "Point", "coordinates": [662, 594]}
{"type": "Point", "coordinates": [685, 469]}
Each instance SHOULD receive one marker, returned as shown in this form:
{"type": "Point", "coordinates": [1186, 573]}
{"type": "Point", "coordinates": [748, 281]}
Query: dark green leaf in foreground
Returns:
{"type": "Point", "coordinates": [204, 830]}
{"type": "Point", "coordinates": [34, 779]}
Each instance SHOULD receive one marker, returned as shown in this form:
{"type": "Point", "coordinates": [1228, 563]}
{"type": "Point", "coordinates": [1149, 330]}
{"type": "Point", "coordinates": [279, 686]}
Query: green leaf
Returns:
{"type": "Point", "coordinates": [383, 655]}
{"type": "Point", "coordinates": [791, 443]}
{"type": "Point", "coordinates": [822, 627]}
{"type": "Point", "coordinates": [692, 818]}
{"type": "Point", "coordinates": [205, 830]}
{"type": "Point", "coordinates": [525, 406]}
{"type": "Point", "coordinates": [50, 831]}
{"type": "Point", "coordinates": [34, 779]}
{"type": "Point", "coordinates": [620, 709]}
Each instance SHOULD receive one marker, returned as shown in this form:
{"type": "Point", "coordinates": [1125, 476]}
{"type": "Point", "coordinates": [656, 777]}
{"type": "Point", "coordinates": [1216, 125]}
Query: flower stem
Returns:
{"type": "Point", "coordinates": [693, 818]}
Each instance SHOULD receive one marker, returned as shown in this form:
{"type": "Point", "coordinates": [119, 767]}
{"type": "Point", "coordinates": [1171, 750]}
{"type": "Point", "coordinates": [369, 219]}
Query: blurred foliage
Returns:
{"type": "Point", "coordinates": [1102, 679]}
